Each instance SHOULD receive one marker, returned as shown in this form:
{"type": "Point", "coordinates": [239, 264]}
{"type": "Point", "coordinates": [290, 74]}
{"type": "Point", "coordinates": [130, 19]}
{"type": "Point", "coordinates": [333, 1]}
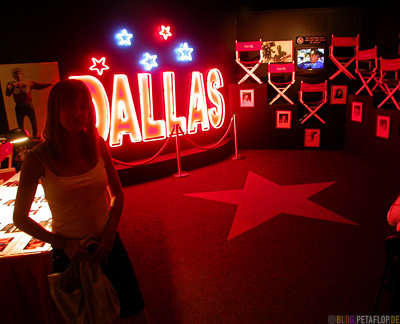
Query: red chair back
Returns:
{"type": "Point", "coordinates": [248, 46]}
{"type": "Point", "coordinates": [365, 55]}
{"type": "Point", "coordinates": [390, 64]}
{"type": "Point", "coordinates": [281, 68]}
{"type": "Point", "coordinates": [318, 87]}
{"type": "Point", "coordinates": [344, 41]}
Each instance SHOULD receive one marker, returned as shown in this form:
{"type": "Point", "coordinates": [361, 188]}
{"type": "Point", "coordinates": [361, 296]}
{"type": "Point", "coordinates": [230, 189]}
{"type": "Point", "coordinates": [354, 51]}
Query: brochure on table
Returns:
{"type": "Point", "coordinates": [12, 240]}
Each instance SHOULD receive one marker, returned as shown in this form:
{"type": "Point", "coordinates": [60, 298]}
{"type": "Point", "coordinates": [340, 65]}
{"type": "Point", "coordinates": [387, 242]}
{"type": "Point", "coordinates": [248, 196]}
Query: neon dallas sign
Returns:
{"type": "Point", "coordinates": [122, 119]}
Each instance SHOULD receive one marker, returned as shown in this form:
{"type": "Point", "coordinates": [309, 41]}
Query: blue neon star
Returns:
{"type": "Point", "coordinates": [124, 37]}
{"type": "Point", "coordinates": [149, 61]}
{"type": "Point", "coordinates": [185, 52]}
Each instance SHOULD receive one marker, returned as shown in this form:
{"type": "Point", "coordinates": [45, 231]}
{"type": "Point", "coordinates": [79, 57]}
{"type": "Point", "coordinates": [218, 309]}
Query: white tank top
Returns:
{"type": "Point", "coordinates": [79, 204]}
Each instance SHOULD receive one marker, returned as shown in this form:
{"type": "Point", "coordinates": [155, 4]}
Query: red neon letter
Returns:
{"type": "Point", "coordinates": [214, 82]}
{"type": "Point", "coordinates": [100, 101]}
{"type": "Point", "coordinates": [123, 117]}
{"type": "Point", "coordinates": [151, 129]}
{"type": "Point", "coordinates": [170, 103]}
{"type": "Point", "coordinates": [198, 105]}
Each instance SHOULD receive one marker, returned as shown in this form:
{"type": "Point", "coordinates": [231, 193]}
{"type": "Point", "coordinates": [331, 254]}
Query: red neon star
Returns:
{"type": "Point", "coordinates": [165, 32]}
{"type": "Point", "coordinates": [261, 199]}
{"type": "Point", "coordinates": [99, 65]}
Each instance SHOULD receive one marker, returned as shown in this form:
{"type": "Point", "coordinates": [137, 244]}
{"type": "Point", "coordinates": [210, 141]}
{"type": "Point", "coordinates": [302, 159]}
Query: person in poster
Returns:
{"type": "Point", "coordinates": [21, 90]}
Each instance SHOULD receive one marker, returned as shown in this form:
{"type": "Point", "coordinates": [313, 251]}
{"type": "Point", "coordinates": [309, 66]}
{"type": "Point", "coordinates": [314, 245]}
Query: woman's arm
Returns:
{"type": "Point", "coordinates": [117, 202]}
{"type": "Point", "coordinates": [31, 171]}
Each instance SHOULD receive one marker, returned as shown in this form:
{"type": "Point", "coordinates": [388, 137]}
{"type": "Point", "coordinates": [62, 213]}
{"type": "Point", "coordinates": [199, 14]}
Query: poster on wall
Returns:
{"type": "Point", "coordinates": [25, 88]}
{"type": "Point", "coordinates": [356, 111]}
{"type": "Point", "coordinates": [310, 40]}
{"type": "Point", "coordinates": [312, 137]}
{"type": "Point", "coordinates": [283, 119]}
{"type": "Point", "coordinates": [338, 94]}
{"type": "Point", "coordinates": [277, 51]}
{"type": "Point", "coordinates": [383, 126]}
{"type": "Point", "coordinates": [247, 98]}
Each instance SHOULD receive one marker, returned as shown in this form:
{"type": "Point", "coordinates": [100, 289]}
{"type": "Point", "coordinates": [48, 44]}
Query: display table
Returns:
{"type": "Point", "coordinates": [24, 264]}
{"type": "Point", "coordinates": [25, 293]}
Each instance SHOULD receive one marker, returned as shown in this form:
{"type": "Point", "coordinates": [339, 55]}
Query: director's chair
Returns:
{"type": "Point", "coordinates": [345, 44]}
{"type": "Point", "coordinates": [367, 69]}
{"type": "Point", "coordinates": [390, 74]}
{"type": "Point", "coordinates": [319, 90]}
{"type": "Point", "coordinates": [285, 74]}
{"type": "Point", "coordinates": [249, 66]}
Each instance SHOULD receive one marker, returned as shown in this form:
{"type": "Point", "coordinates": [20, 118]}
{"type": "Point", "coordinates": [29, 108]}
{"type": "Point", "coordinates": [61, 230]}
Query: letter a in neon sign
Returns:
{"type": "Point", "coordinates": [151, 129]}
{"type": "Point", "coordinates": [197, 105]}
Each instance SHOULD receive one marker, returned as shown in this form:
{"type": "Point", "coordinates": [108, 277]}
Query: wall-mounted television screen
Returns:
{"type": "Point", "coordinates": [310, 60]}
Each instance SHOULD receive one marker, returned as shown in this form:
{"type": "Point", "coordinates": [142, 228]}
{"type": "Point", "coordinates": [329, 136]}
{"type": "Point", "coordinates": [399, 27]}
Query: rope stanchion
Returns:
{"type": "Point", "coordinates": [180, 173]}
{"type": "Point", "coordinates": [210, 147]}
{"type": "Point", "coordinates": [134, 164]}
{"type": "Point", "coordinates": [237, 156]}
{"type": "Point", "coordinates": [177, 131]}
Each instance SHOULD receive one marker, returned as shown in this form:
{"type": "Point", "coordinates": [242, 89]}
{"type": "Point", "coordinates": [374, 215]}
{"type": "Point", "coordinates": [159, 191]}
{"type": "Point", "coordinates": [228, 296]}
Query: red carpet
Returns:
{"type": "Point", "coordinates": [278, 237]}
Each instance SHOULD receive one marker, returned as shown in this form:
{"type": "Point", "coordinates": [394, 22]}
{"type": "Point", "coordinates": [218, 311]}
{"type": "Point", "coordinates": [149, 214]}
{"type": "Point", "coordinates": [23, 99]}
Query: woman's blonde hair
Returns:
{"type": "Point", "coordinates": [64, 92]}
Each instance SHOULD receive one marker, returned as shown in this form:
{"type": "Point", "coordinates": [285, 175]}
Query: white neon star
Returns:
{"type": "Point", "coordinates": [149, 61]}
{"type": "Point", "coordinates": [99, 65]}
{"type": "Point", "coordinates": [124, 37]}
{"type": "Point", "coordinates": [165, 32]}
{"type": "Point", "coordinates": [185, 52]}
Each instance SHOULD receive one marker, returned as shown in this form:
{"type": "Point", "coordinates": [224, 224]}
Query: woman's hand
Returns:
{"type": "Point", "coordinates": [104, 246]}
{"type": "Point", "coordinates": [74, 252]}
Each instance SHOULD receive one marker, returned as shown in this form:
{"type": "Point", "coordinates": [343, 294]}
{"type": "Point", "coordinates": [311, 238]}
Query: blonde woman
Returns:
{"type": "Point", "coordinates": [83, 190]}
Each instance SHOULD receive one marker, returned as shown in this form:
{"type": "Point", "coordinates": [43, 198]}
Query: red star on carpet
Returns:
{"type": "Point", "coordinates": [261, 199]}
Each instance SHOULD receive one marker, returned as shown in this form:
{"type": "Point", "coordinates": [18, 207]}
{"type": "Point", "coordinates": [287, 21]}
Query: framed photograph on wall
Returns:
{"type": "Point", "coordinates": [247, 98]}
{"type": "Point", "coordinates": [356, 111]}
{"type": "Point", "coordinates": [312, 137]}
{"type": "Point", "coordinates": [383, 126]}
{"type": "Point", "coordinates": [338, 94]}
{"type": "Point", "coordinates": [283, 119]}
{"type": "Point", "coordinates": [25, 88]}
{"type": "Point", "coordinates": [277, 51]}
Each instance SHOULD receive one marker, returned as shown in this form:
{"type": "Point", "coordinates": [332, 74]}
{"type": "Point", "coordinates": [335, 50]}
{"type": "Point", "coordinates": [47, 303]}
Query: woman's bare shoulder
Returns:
{"type": "Point", "coordinates": [37, 158]}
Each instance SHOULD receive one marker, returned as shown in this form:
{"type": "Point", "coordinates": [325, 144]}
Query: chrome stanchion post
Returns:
{"type": "Point", "coordinates": [237, 156]}
{"type": "Point", "coordinates": [180, 173]}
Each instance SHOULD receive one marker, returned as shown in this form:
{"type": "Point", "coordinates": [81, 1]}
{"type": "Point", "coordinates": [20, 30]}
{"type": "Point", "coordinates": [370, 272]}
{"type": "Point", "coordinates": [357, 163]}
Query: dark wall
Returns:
{"type": "Point", "coordinates": [73, 32]}
{"type": "Point", "coordinates": [70, 33]}
{"type": "Point", "coordinates": [376, 25]}
{"type": "Point", "coordinates": [361, 136]}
